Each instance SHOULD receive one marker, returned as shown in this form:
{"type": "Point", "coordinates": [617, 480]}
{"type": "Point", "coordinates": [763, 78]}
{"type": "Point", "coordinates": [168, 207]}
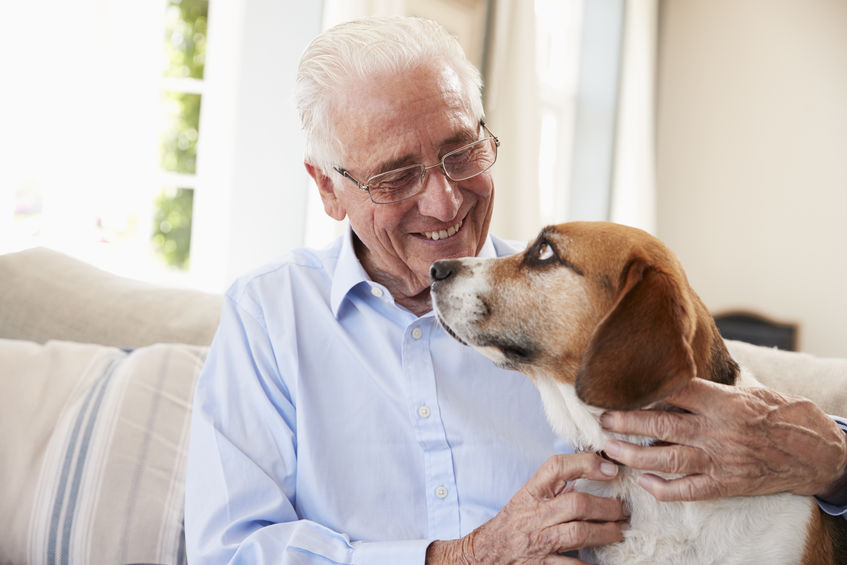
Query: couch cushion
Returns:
{"type": "Point", "coordinates": [822, 380]}
{"type": "Point", "coordinates": [47, 295]}
{"type": "Point", "coordinates": [93, 452]}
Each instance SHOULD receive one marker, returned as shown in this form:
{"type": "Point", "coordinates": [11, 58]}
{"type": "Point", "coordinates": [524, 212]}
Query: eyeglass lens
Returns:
{"type": "Point", "coordinates": [461, 164]}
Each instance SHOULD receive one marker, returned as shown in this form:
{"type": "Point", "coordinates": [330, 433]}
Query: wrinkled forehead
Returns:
{"type": "Point", "coordinates": [388, 108]}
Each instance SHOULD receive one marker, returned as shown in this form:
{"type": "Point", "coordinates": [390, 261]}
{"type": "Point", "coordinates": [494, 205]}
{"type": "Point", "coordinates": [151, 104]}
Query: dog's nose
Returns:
{"type": "Point", "coordinates": [441, 270]}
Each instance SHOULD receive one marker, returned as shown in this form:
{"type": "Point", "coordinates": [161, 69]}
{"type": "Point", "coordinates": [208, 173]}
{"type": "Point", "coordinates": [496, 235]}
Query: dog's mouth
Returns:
{"type": "Point", "coordinates": [449, 330]}
{"type": "Point", "coordinates": [514, 352]}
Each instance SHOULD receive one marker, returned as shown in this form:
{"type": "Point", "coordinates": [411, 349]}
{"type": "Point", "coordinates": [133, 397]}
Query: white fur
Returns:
{"type": "Point", "coordinates": [765, 530]}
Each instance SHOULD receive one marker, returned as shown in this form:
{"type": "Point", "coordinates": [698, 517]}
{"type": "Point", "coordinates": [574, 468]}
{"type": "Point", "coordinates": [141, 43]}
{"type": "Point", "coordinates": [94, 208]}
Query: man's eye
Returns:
{"type": "Point", "coordinates": [400, 179]}
{"type": "Point", "coordinates": [544, 252]}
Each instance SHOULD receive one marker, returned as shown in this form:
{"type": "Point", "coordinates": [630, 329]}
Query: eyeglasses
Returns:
{"type": "Point", "coordinates": [460, 164]}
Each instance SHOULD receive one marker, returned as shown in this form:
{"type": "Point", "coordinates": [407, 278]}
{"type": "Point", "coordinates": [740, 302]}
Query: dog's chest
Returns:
{"type": "Point", "coordinates": [741, 530]}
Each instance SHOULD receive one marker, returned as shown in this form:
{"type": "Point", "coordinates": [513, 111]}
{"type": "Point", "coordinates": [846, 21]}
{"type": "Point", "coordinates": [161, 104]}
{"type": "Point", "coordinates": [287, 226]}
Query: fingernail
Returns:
{"type": "Point", "coordinates": [612, 449]}
{"type": "Point", "coordinates": [645, 481]}
{"type": "Point", "coordinates": [608, 469]}
{"type": "Point", "coordinates": [606, 420]}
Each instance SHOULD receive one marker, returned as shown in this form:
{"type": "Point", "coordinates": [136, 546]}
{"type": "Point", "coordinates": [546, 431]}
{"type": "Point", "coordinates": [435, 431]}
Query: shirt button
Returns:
{"type": "Point", "coordinates": [376, 291]}
{"type": "Point", "coordinates": [441, 492]}
{"type": "Point", "coordinates": [424, 411]}
{"type": "Point", "coordinates": [417, 333]}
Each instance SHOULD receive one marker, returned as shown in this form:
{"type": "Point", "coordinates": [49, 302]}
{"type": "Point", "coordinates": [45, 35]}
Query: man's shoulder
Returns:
{"type": "Point", "coordinates": [505, 247]}
{"type": "Point", "coordinates": [299, 266]}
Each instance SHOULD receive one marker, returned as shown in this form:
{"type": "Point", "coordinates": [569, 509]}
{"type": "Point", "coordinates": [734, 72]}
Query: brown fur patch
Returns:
{"type": "Point", "coordinates": [640, 352]}
{"type": "Point", "coordinates": [826, 542]}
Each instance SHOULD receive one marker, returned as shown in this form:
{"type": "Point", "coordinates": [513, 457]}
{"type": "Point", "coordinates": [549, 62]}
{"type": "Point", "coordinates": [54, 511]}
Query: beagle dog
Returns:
{"type": "Point", "coordinates": [601, 316]}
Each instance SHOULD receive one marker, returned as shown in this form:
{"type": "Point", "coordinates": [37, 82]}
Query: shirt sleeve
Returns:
{"type": "Point", "coordinates": [242, 464]}
{"type": "Point", "coordinates": [832, 509]}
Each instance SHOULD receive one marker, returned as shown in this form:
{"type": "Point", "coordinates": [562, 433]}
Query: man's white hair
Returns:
{"type": "Point", "coordinates": [360, 49]}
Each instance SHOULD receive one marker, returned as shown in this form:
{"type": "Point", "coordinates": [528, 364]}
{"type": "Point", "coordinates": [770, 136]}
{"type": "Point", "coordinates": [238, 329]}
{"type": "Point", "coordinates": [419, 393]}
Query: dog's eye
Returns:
{"type": "Point", "coordinates": [544, 251]}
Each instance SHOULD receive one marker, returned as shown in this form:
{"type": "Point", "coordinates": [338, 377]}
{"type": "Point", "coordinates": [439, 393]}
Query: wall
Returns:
{"type": "Point", "coordinates": [252, 186]}
{"type": "Point", "coordinates": [752, 157]}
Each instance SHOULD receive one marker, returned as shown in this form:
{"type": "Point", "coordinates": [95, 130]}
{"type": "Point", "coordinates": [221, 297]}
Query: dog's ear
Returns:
{"type": "Point", "coordinates": [641, 351]}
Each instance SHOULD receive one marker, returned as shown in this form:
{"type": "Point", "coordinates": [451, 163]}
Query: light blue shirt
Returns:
{"type": "Point", "coordinates": [332, 425]}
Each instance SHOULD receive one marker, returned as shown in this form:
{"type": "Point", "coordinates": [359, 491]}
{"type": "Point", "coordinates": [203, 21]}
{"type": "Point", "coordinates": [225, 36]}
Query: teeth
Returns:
{"type": "Point", "coordinates": [443, 234]}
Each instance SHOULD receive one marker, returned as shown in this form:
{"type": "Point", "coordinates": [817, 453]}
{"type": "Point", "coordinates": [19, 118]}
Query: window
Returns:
{"type": "Point", "coordinates": [185, 48]}
{"type": "Point", "coordinates": [102, 141]}
{"type": "Point", "coordinates": [558, 36]}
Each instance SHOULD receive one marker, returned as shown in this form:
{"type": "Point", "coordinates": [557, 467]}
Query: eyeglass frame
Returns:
{"type": "Point", "coordinates": [364, 187]}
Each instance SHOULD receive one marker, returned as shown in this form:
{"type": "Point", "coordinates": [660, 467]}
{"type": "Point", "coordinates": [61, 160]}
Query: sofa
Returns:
{"type": "Point", "coordinates": [96, 381]}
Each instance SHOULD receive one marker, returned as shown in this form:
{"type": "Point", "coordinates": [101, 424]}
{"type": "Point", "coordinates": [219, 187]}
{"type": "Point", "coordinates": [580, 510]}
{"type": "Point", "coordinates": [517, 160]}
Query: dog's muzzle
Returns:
{"type": "Point", "coordinates": [443, 270]}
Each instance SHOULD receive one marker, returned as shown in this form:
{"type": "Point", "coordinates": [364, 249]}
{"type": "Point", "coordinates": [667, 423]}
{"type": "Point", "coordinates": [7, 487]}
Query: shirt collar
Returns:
{"type": "Point", "coordinates": [349, 272]}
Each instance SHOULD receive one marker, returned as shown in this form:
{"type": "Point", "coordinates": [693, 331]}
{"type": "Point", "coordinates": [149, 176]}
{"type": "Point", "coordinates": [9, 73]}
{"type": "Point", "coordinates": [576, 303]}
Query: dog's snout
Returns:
{"type": "Point", "coordinates": [441, 270]}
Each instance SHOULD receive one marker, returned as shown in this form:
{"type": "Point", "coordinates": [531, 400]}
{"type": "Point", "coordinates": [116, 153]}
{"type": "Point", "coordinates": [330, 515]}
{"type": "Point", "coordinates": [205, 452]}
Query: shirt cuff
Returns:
{"type": "Point", "coordinates": [832, 509]}
{"type": "Point", "coordinates": [412, 552]}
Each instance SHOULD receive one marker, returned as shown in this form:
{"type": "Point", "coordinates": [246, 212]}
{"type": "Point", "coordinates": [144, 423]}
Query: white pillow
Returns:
{"type": "Point", "coordinates": [46, 295]}
{"type": "Point", "coordinates": [93, 453]}
{"type": "Point", "coordinates": [822, 380]}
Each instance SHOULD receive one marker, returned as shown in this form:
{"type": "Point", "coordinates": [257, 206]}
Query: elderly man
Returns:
{"type": "Point", "coordinates": [335, 422]}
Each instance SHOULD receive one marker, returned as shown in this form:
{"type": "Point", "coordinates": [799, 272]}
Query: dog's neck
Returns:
{"type": "Point", "coordinates": [576, 421]}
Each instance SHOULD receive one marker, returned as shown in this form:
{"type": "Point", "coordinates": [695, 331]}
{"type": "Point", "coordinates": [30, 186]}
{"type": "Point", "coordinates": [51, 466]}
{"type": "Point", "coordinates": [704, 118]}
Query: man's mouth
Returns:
{"type": "Point", "coordinates": [443, 234]}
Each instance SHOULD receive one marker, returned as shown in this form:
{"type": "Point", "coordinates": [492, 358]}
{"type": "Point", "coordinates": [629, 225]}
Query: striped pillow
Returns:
{"type": "Point", "coordinates": [93, 451]}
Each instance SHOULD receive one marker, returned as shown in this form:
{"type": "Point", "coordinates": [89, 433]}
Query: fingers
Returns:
{"type": "Point", "coordinates": [577, 535]}
{"type": "Point", "coordinates": [553, 476]}
{"type": "Point", "coordinates": [698, 394]}
{"type": "Point", "coordinates": [674, 459]}
{"type": "Point", "coordinates": [579, 519]}
{"type": "Point", "coordinates": [691, 487]}
{"type": "Point", "coordinates": [547, 516]}
{"type": "Point", "coordinates": [583, 507]}
{"type": "Point", "coordinates": [673, 427]}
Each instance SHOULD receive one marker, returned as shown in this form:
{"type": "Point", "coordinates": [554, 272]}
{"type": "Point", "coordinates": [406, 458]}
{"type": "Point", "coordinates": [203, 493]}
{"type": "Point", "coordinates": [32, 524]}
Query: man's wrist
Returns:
{"type": "Point", "coordinates": [442, 552]}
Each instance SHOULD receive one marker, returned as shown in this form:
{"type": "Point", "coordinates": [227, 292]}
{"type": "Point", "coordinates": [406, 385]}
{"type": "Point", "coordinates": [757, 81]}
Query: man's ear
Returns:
{"type": "Point", "coordinates": [641, 351]}
{"type": "Point", "coordinates": [332, 205]}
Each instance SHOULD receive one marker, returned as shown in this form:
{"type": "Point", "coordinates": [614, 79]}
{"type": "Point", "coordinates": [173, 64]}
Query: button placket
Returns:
{"type": "Point", "coordinates": [442, 502]}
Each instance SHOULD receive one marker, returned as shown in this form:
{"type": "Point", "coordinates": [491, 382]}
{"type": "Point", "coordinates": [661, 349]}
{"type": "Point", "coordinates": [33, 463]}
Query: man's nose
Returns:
{"type": "Point", "coordinates": [440, 198]}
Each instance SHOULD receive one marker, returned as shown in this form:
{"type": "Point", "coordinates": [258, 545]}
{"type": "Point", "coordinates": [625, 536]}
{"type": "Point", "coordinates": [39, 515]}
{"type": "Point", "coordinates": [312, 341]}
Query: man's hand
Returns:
{"type": "Point", "coordinates": [734, 441]}
{"type": "Point", "coordinates": [544, 519]}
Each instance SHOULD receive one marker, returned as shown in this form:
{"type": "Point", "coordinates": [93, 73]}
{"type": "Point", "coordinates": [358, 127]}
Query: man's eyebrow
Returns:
{"type": "Point", "coordinates": [397, 163]}
{"type": "Point", "coordinates": [462, 137]}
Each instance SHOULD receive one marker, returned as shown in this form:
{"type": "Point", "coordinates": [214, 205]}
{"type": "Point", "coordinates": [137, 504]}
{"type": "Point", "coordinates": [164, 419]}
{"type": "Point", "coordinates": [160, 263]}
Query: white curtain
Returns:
{"type": "Point", "coordinates": [592, 111]}
{"type": "Point", "coordinates": [514, 114]}
{"type": "Point", "coordinates": [633, 199]}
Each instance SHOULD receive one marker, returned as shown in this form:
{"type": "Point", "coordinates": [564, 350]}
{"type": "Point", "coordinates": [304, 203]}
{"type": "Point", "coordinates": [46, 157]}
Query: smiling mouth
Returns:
{"type": "Point", "coordinates": [443, 234]}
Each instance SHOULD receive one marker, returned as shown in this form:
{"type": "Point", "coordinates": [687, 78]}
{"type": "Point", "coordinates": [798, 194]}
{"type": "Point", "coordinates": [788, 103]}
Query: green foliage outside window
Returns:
{"type": "Point", "coordinates": [179, 141]}
{"type": "Point", "coordinates": [185, 57]}
{"type": "Point", "coordinates": [172, 226]}
{"type": "Point", "coordinates": [185, 38]}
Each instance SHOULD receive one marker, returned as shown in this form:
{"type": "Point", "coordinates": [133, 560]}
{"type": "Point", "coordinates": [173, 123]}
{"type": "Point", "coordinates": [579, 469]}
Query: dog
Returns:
{"type": "Point", "coordinates": [601, 316]}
